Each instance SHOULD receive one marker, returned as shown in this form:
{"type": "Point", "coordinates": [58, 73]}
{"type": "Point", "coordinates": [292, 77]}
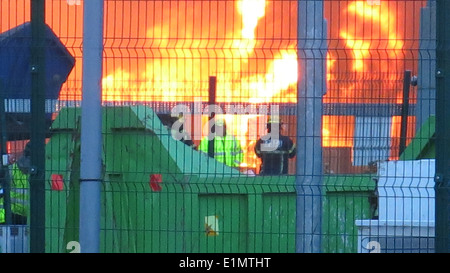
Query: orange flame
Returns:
{"type": "Point", "coordinates": [381, 17]}
{"type": "Point", "coordinates": [369, 48]}
{"type": "Point", "coordinates": [166, 50]}
{"type": "Point", "coordinates": [180, 71]}
{"type": "Point", "coordinates": [251, 11]}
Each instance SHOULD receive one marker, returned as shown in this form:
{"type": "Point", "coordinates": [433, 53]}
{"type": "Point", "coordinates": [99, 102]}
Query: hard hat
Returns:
{"type": "Point", "coordinates": [274, 119]}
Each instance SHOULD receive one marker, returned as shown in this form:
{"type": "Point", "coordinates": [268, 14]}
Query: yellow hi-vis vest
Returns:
{"type": "Point", "coordinates": [2, 212]}
{"type": "Point", "coordinates": [19, 192]}
{"type": "Point", "coordinates": [227, 150]}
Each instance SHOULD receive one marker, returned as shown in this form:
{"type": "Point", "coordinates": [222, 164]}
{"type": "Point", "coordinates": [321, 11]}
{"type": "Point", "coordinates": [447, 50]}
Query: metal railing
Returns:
{"type": "Point", "coordinates": [353, 83]}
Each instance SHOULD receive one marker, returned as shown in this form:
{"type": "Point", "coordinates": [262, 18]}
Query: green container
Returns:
{"type": "Point", "coordinates": [201, 205]}
{"type": "Point", "coordinates": [346, 200]}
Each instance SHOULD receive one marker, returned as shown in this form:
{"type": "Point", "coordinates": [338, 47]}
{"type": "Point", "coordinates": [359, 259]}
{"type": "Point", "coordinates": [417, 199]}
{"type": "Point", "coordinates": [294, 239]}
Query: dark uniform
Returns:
{"type": "Point", "coordinates": [275, 157]}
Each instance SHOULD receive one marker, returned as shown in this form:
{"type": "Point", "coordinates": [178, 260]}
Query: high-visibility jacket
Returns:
{"type": "Point", "coordinates": [19, 195]}
{"type": "Point", "coordinates": [2, 212]}
{"type": "Point", "coordinates": [19, 192]}
{"type": "Point", "coordinates": [227, 150]}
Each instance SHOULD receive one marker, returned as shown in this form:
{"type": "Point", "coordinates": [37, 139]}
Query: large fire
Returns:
{"type": "Point", "coordinates": [167, 50]}
{"type": "Point", "coordinates": [370, 47]}
{"type": "Point", "coordinates": [371, 44]}
{"type": "Point", "coordinates": [180, 54]}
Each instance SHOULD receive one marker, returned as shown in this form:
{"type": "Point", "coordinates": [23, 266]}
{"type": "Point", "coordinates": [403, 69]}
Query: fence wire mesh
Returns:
{"type": "Point", "coordinates": [342, 94]}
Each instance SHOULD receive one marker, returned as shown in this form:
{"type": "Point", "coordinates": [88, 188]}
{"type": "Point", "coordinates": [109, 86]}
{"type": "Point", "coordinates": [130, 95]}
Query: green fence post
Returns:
{"type": "Point", "coordinates": [312, 31]}
{"type": "Point", "coordinates": [442, 176]}
{"type": "Point", "coordinates": [91, 127]}
{"type": "Point", "coordinates": [37, 174]}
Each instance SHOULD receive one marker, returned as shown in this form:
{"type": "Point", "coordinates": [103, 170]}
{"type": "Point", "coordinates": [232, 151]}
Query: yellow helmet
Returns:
{"type": "Point", "coordinates": [274, 119]}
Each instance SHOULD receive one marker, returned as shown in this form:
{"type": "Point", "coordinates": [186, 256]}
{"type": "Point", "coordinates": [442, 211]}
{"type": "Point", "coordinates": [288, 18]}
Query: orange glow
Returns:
{"type": "Point", "coordinates": [167, 50]}
{"type": "Point", "coordinates": [330, 65]}
{"type": "Point", "coordinates": [396, 131]}
{"type": "Point", "coordinates": [281, 76]}
{"type": "Point", "coordinates": [337, 131]}
{"type": "Point", "coordinates": [360, 50]}
{"type": "Point", "coordinates": [251, 11]}
{"type": "Point", "coordinates": [185, 61]}
{"type": "Point", "coordinates": [377, 15]}
{"type": "Point", "coordinates": [370, 47]}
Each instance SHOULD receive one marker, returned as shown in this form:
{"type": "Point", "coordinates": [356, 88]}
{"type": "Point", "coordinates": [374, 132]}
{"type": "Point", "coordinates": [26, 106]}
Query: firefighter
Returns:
{"type": "Point", "coordinates": [227, 149]}
{"type": "Point", "coordinates": [274, 149]}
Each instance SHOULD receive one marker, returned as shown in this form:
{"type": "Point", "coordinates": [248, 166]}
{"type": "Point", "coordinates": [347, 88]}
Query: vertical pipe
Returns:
{"type": "Point", "coordinates": [312, 45]}
{"type": "Point", "coordinates": [442, 141]}
{"type": "Point", "coordinates": [405, 111]}
{"type": "Point", "coordinates": [37, 134]}
{"type": "Point", "coordinates": [91, 127]}
{"type": "Point", "coordinates": [211, 101]}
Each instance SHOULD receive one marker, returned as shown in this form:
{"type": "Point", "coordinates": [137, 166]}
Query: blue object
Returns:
{"type": "Point", "coordinates": [16, 72]}
{"type": "Point", "coordinates": [15, 66]}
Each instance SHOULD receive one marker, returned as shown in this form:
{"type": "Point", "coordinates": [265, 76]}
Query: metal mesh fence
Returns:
{"type": "Point", "coordinates": [231, 125]}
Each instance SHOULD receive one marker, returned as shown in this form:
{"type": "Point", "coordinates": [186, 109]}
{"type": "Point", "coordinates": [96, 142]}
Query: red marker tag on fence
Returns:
{"type": "Point", "coordinates": [155, 182]}
{"type": "Point", "coordinates": [57, 182]}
